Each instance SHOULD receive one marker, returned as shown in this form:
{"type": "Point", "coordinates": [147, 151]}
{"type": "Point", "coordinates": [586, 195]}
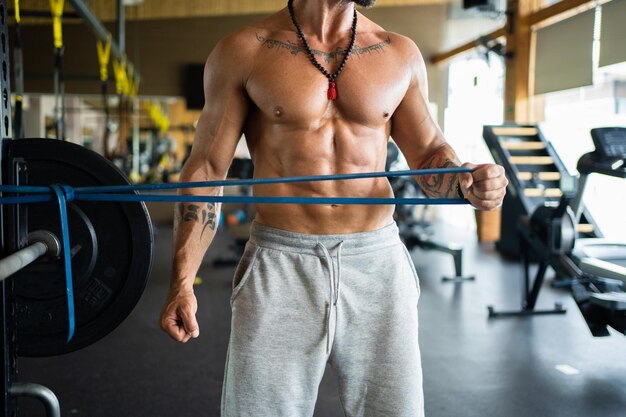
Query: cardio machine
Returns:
{"type": "Point", "coordinates": [594, 268]}
{"type": "Point", "coordinates": [602, 257]}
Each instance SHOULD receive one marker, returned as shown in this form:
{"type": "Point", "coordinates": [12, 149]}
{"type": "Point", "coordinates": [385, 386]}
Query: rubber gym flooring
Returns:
{"type": "Point", "coordinates": [473, 366]}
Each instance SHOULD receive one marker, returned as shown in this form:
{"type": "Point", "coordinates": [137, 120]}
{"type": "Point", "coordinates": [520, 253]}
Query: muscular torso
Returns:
{"type": "Point", "coordinates": [293, 129]}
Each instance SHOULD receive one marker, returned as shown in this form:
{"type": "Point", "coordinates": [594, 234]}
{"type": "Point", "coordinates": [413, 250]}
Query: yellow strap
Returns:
{"type": "Point", "coordinates": [121, 82]}
{"type": "Point", "coordinates": [56, 8]}
{"type": "Point", "coordinates": [129, 79]}
{"type": "Point", "coordinates": [133, 82]}
{"type": "Point", "coordinates": [152, 110]}
{"type": "Point", "coordinates": [165, 124]}
{"type": "Point", "coordinates": [104, 54]}
{"type": "Point", "coordinates": [132, 90]}
{"type": "Point", "coordinates": [17, 11]}
{"type": "Point", "coordinates": [136, 82]}
{"type": "Point", "coordinates": [116, 66]}
{"type": "Point", "coordinates": [159, 118]}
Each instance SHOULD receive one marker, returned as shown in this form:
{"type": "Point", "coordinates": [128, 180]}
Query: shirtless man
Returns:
{"type": "Point", "coordinates": [317, 283]}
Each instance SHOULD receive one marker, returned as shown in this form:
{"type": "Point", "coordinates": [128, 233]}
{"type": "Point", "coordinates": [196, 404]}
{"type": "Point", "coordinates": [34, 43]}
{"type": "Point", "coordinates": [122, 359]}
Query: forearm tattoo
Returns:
{"type": "Point", "coordinates": [336, 55]}
{"type": "Point", "coordinates": [206, 215]}
{"type": "Point", "coordinates": [437, 185]}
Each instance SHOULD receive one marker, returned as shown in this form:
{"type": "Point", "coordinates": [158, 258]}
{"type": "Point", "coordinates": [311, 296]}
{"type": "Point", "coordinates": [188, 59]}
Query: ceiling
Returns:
{"type": "Point", "coordinates": [106, 10]}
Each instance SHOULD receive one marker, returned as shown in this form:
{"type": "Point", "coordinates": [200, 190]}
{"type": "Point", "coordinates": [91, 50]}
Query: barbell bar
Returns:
{"type": "Point", "coordinates": [41, 243]}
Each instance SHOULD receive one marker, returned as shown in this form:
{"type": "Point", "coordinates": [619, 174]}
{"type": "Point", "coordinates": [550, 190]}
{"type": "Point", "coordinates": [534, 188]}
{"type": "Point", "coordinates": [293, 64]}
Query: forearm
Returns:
{"type": "Point", "coordinates": [436, 185]}
{"type": "Point", "coordinates": [195, 224]}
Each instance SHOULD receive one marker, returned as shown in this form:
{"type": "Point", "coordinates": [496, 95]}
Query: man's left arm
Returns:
{"type": "Point", "coordinates": [421, 141]}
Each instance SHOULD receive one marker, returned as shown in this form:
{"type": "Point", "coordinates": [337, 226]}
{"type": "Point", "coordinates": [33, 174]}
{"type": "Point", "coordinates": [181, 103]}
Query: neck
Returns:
{"type": "Point", "coordinates": [324, 19]}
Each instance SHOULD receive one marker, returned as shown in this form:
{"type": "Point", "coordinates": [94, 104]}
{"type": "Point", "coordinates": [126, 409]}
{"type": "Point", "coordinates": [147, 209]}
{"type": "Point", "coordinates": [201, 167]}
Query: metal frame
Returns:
{"type": "Point", "coordinates": [13, 234]}
{"type": "Point", "coordinates": [530, 242]}
{"type": "Point", "coordinates": [9, 366]}
{"type": "Point", "coordinates": [10, 241]}
{"type": "Point", "coordinates": [101, 32]}
{"type": "Point", "coordinates": [413, 239]}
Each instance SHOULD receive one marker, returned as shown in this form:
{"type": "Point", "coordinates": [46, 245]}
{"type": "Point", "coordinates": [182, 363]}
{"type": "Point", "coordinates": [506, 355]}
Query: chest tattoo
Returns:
{"type": "Point", "coordinates": [294, 48]}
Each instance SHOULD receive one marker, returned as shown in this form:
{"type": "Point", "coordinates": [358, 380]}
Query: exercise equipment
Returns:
{"type": "Point", "coordinates": [111, 249]}
{"type": "Point", "coordinates": [549, 236]}
{"type": "Point", "coordinates": [40, 243]}
{"type": "Point", "coordinates": [18, 75]}
{"type": "Point", "coordinates": [601, 257]}
{"type": "Point", "coordinates": [536, 175]}
{"type": "Point", "coordinates": [111, 252]}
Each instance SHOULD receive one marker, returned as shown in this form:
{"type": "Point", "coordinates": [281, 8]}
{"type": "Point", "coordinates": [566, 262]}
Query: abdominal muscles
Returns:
{"type": "Point", "coordinates": [328, 149]}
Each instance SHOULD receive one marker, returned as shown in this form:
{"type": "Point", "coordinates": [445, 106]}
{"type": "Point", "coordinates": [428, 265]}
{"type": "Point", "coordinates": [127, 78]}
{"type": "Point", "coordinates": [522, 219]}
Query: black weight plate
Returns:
{"type": "Point", "coordinates": [111, 249]}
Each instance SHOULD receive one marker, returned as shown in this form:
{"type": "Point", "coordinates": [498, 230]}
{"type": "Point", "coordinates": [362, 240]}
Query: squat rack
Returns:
{"type": "Point", "coordinates": [12, 239]}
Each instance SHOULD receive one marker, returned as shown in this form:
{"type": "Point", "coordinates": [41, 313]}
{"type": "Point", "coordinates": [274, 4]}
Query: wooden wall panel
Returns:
{"type": "Point", "coordinates": [106, 10]}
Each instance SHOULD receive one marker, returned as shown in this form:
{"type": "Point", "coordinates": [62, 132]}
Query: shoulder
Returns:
{"type": "Point", "coordinates": [406, 54]}
{"type": "Point", "coordinates": [404, 44]}
{"type": "Point", "coordinates": [410, 55]}
{"type": "Point", "coordinates": [250, 38]}
{"type": "Point", "coordinates": [403, 47]}
{"type": "Point", "coordinates": [235, 47]}
{"type": "Point", "coordinates": [240, 48]}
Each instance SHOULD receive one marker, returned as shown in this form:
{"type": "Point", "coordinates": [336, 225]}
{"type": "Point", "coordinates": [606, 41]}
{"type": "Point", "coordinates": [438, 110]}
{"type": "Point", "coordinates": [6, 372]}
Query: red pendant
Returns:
{"type": "Point", "coordinates": [332, 91]}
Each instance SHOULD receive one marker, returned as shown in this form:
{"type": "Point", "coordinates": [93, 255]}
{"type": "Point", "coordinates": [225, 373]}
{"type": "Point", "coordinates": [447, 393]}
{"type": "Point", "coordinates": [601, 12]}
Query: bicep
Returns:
{"type": "Point", "coordinates": [413, 128]}
{"type": "Point", "coordinates": [221, 121]}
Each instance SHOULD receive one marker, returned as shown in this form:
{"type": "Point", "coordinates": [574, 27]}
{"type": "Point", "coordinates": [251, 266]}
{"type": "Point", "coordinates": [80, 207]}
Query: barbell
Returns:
{"type": "Point", "coordinates": [110, 249]}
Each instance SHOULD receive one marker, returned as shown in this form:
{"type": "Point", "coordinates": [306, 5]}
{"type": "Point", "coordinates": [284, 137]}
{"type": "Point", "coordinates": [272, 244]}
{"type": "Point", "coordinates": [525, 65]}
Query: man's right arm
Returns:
{"type": "Point", "coordinates": [218, 131]}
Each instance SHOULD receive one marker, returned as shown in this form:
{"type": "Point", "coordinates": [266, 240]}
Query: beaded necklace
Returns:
{"type": "Point", "coordinates": [332, 87]}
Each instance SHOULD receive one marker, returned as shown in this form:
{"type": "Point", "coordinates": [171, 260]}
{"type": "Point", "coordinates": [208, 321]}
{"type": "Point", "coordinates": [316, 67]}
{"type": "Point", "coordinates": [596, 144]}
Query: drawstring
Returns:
{"type": "Point", "coordinates": [334, 287]}
{"type": "Point", "coordinates": [338, 272]}
{"type": "Point", "coordinates": [329, 308]}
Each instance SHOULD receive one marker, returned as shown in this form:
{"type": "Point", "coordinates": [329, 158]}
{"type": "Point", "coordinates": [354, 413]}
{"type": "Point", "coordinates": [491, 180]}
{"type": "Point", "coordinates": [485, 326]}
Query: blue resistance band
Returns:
{"type": "Point", "coordinates": [63, 194]}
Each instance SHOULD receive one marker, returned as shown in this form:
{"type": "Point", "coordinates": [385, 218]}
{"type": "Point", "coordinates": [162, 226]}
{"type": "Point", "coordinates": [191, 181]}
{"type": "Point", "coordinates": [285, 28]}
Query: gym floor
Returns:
{"type": "Point", "coordinates": [473, 366]}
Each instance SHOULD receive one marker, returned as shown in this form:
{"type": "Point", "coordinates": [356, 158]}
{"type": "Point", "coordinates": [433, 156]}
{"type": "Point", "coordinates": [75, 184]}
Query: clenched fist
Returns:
{"type": "Point", "coordinates": [484, 187]}
{"type": "Point", "coordinates": [178, 318]}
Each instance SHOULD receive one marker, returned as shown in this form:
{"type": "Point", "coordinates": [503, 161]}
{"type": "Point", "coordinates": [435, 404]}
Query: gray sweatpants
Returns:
{"type": "Point", "coordinates": [300, 301]}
